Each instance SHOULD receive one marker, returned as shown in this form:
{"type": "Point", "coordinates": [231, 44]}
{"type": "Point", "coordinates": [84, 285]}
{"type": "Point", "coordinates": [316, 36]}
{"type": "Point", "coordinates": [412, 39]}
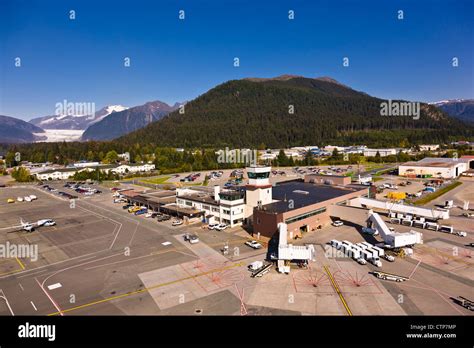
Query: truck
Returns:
{"type": "Point", "coordinates": [446, 229]}
{"type": "Point", "coordinates": [262, 271]}
{"type": "Point", "coordinates": [380, 251]}
{"type": "Point", "coordinates": [389, 276]}
{"type": "Point", "coordinates": [419, 223]}
{"type": "Point", "coordinates": [432, 226]}
{"type": "Point", "coordinates": [448, 204]}
{"type": "Point", "coordinates": [255, 265]}
{"type": "Point", "coordinates": [464, 302]}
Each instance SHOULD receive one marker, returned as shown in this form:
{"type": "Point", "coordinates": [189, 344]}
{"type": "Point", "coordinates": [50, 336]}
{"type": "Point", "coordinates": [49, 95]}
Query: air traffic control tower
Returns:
{"type": "Point", "coordinates": [258, 189]}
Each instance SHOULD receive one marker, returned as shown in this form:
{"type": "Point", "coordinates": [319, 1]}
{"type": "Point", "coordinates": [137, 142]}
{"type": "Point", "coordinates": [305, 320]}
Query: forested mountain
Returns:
{"type": "Point", "coordinates": [462, 109]}
{"type": "Point", "coordinates": [13, 130]}
{"type": "Point", "coordinates": [126, 121]}
{"type": "Point", "coordinates": [257, 113]}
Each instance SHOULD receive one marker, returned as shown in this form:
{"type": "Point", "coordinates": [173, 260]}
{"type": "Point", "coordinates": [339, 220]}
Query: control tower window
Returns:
{"type": "Point", "coordinates": [264, 175]}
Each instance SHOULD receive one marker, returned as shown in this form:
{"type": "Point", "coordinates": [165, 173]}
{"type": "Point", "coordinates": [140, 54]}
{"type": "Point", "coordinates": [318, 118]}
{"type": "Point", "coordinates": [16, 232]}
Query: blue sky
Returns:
{"type": "Point", "coordinates": [173, 60]}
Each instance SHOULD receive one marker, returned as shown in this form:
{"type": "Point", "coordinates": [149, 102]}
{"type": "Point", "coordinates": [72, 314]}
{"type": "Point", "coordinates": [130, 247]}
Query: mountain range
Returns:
{"type": "Point", "coordinates": [126, 121]}
{"type": "Point", "coordinates": [462, 109]}
{"type": "Point", "coordinates": [269, 112]}
{"type": "Point", "coordinates": [75, 122]}
{"type": "Point", "coordinates": [13, 130]}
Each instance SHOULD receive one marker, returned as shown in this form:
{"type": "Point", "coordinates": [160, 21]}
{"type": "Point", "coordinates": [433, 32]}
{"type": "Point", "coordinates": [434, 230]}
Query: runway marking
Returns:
{"type": "Point", "coordinates": [107, 218]}
{"type": "Point", "coordinates": [6, 301]}
{"type": "Point", "coordinates": [145, 289]}
{"type": "Point", "coordinates": [334, 284]}
{"type": "Point", "coordinates": [54, 286]}
{"type": "Point", "coordinates": [50, 298]}
{"type": "Point", "coordinates": [34, 306]}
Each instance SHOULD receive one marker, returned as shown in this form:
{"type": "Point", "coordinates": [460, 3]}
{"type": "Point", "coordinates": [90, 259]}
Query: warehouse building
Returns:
{"type": "Point", "coordinates": [446, 168]}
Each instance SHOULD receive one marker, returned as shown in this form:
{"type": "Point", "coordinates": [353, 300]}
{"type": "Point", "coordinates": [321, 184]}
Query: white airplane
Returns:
{"type": "Point", "coordinates": [27, 226]}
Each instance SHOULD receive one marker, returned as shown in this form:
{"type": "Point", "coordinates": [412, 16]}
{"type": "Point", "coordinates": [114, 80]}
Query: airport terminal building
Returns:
{"type": "Point", "coordinates": [304, 205]}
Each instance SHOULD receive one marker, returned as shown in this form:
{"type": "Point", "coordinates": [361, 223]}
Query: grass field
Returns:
{"type": "Point", "coordinates": [157, 181]}
{"type": "Point", "coordinates": [436, 194]}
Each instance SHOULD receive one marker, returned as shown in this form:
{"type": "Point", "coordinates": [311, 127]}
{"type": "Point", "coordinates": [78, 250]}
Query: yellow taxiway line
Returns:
{"type": "Point", "coordinates": [336, 287]}
{"type": "Point", "coordinates": [146, 289]}
{"type": "Point", "coordinates": [15, 271]}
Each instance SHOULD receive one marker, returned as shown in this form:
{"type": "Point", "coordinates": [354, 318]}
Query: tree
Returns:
{"type": "Point", "coordinates": [282, 159]}
{"type": "Point", "coordinates": [21, 174]}
{"type": "Point", "coordinates": [308, 159]}
{"type": "Point", "coordinates": [377, 158]}
{"type": "Point", "coordinates": [10, 159]}
{"type": "Point", "coordinates": [111, 157]}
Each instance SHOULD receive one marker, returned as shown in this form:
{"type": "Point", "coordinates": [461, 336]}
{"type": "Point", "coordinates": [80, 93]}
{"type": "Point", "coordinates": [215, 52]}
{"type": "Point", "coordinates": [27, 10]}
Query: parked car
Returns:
{"type": "Point", "coordinates": [253, 244]}
{"type": "Point", "coordinates": [361, 261]}
{"type": "Point", "coordinates": [193, 239]}
{"type": "Point", "coordinates": [337, 223]}
{"type": "Point", "coordinates": [141, 211]}
{"type": "Point", "coordinates": [212, 226]}
{"type": "Point", "coordinates": [19, 199]}
{"type": "Point", "coordinates": [163, 218]}
{"type": "Point", "coordinates": [389, 258]}
{"type": "Point", "coordinates": [177, 222]}
{"type": "Point", "coordinates": [220, 227]}
{"type": "Point", "coordinates": [461, 233]}
{"type": "Point", "coordinates": [133, 209]}
{"type": "Point", "coordinates": [10, 200]}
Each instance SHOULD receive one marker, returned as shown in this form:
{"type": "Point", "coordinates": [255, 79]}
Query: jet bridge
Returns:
{"type": "Point", "coordinates": [288, 252]}
{"type": "Point", "coordinates": [432, 214]}
{"type": "Point", "coordinates": [391, 238]}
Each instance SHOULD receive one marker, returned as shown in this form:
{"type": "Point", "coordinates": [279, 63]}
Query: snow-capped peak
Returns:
{"type": "Point", "coordinates": [442, 102]}
{"type": "Point", "coordinates": [106, 111]}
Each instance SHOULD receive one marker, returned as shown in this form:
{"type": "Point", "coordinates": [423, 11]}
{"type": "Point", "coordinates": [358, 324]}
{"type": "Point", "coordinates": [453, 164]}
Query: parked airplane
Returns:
{"type": "Point", "coordinates": [28, 227]}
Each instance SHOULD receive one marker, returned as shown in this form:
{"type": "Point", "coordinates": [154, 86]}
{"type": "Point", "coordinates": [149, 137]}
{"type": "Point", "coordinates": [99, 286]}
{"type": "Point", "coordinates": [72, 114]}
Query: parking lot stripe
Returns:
{"type": "Point", "coordinates": [61, 312]}
{"type": "Point", "coordinates": [334, 284]}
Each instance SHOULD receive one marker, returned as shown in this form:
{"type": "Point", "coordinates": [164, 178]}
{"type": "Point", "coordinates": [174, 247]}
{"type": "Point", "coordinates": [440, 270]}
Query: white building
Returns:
{"type": "Point", "coordinates": [446, 168]}
{"type": "Point", "coordinates": [231, 207]}
{"type": "Point", "coordinates": [226, 206]}
{"type": "Point", "coordinates": [132, 168]}
{"type": "Point", "coordinates": [68, 172]}
{"type": "Point", "coordinates": [85, 164]}
{"type": "Point", "coordinates": [432, 147]}
{"type": "Point", "coordinates": [56, 174]}
{"type": "Point", "coordinates": [382, 152]}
